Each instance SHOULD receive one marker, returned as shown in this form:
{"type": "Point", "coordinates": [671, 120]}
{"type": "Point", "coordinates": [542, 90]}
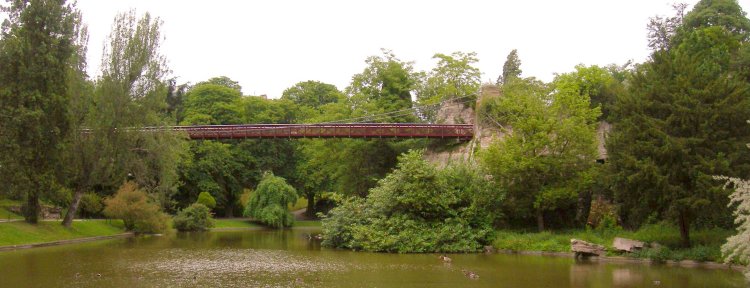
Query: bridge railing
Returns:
{"type": "Point", "coordinates": [365, 130]}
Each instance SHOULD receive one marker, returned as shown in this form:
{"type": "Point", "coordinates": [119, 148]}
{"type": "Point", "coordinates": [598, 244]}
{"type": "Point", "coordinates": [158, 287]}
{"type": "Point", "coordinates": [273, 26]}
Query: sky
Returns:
{"type": "Point", "coordinates": [268, 46]}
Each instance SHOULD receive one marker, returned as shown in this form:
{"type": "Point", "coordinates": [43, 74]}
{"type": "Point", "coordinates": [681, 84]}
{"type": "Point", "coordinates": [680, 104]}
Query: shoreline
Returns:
{"type": "Point", "coordinates": [65, 242]}
{"type": "Point", "coordinates": [631, 260]}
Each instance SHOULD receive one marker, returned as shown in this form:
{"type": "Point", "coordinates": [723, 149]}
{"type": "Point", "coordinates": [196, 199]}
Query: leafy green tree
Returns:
{"type": "Point", "coordinates": [223, 81]}
{"type": "Point", "coordinates": [313, 94]}
{"type": "Point", "coordinates": [549, 147]}
{"type": "Point", "coordinates": [91, 205]}
{"type": "Point", "coordinates": [35, 53]}
{"type": "Point", "coordinates": [384, 86]}
{"type": "Point", "coordinates": [511, 68]}
{"type": "Point", "coordinates": [131, 93]}
{"type": "Point", "coordinates": [268, 203]}
{"type": "Point", "coordinates": [196, 217]}
{"type": "Point", "coordinates": [599, 83]}
{"type": "Point", "coordinates": [219, 169]}
{"type": "Point", "coordinates": [212, 104]}
{"type": "Point", "coordinates": [683, 121]}
{"type": "Point", "coordinates": [453, 77]}
{"type": "Point", "coordinates": [413, 209]}
{"type": "Point", "coordinates": [207, 200]}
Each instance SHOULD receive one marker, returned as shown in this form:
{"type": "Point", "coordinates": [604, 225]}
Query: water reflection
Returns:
{"type": "Point", "coordinates": [622, 275]}
{"type": "Point", "coordinates": [291, 258]}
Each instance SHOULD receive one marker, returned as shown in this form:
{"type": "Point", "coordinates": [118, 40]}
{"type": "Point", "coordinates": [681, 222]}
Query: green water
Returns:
{"type": "Point", "coordinates": [260, 258]}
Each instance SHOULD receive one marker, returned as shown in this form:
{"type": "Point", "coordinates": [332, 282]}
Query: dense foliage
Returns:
{"type": "Point", "coordinates": [414, 209]}
{"type": "Point", "coordinates": [136, 210]}
{"type": "Point", "coordinates": [206, 199]}
{"type": "Point", "coordinates": [545, 159]}
{"type": "Point", "coordinates": [38, 43]}
{"type": "Point", "coordinates": [196, 217]}
{"type": "Point", "coordinates": [683, 122]}
{"type": "Point", "coordinates": [677, 121]}
{"type": "Point", "coordinates": [268, 203]}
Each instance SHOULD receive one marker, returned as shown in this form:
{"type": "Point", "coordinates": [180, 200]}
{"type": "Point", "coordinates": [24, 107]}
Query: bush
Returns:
{"type": "Point", "coordinates": [91, 205]}
{"type": "Point", "coordinates": [269, 202]}
{"type": "Point", "coordinates": [138, 214]}
{"type": "Point", "coordinates": [414, 209]}
{"type": "Point", "coordinates": [207, 200]}
{"type": "Point", "coordinates": [197, 217]}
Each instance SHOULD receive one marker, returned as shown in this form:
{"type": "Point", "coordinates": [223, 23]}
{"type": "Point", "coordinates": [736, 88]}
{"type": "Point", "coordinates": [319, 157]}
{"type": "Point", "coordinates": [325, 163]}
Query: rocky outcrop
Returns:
{"type": "Point", "coordinates": [627, 245]}
{"type": "Point", "coordinates": [585, 249]}
{"type": "Point", "coordinates": [462, 113]}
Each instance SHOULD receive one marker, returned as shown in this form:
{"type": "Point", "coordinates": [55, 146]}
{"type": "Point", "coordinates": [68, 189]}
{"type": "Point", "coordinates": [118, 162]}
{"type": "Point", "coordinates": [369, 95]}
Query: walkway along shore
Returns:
{"type": "Point", "coordinates": [63, 242]}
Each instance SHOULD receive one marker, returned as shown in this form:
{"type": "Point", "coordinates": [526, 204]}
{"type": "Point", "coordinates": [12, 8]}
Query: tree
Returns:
{"type": "Point", "coordinates": [549, 147]}
{"type": "Point", "coordinates": [223, 81]}
{"type": "Point", "coordinates": [212, 104]}
{"type": "Point", "coordinates": [207, 200]}
{"type": "Point", "coordinates": [737, 247]}
{"type": "Point", "coordinates": [413, 209]}
{"type": "Point", "coordinates": [138, 214]}
{"type": "Point", "coordinates": [455, 77]}
{"type": "Point", "coordinates": [219, 169]}
{"type": "Point", "coordinates": [132, 93]}
{"type": "Point", "coordinates": [196, 217]}
{"type": "Point", "coordinates": [313, 94]}
{"type": "Point", "coordinates": [384, 86]}
{"type": "Point", "coordinates": [662, 29]}
{"type": "Point", "coordinates": [38, 41]}
{"type": "Point", "coordinates": [511, 68]}
{"type": "Point", "coordinates": [268, 203]}
{"type": "Point", "coordinates": [682, 122]}
{"type": "Point", "coordinates": [599, 83]}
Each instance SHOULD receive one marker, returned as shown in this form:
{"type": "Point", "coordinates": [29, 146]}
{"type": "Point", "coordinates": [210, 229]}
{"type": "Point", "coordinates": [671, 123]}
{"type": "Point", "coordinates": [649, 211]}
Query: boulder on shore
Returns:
{"type": "Point", "coordinates": [585, 249]}
{"type": "Point", "coordinates": [627, 245]}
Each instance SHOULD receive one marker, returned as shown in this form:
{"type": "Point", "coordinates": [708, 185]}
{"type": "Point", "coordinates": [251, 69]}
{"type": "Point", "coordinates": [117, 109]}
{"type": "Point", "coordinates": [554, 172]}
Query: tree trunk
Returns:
{"type": "Point", "coordinates": [684, 230]}
{"type": "Point", "coordinates": [73, 208]}
{"type": "Point", "coordinates": [310, 205]}
{"type": "Point", "coordinates": [32, 207]}
{"type": "Point", "coordinates": [540, 219]}
{"type": "Point", "coordinates": [229, 211]}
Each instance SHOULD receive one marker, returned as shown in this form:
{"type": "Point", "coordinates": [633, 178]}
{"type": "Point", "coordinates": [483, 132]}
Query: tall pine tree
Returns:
{"type": "Point", "coordinates": [37, 43]}
{"type": "Point", "coordinates": [683, 121]}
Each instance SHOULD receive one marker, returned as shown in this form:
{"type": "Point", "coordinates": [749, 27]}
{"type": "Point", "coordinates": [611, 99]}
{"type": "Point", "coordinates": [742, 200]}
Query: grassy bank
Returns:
{"type": "Point", "coordinates": [706, 243]}
{"type": "Point", "coordinates": [15, 233]}
{"type": "Point", "coordinates": [5, 213]}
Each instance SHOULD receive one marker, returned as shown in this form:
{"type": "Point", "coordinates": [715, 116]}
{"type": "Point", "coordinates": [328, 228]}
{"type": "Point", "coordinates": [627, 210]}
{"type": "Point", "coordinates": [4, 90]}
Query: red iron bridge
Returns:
{"type": "Point", "coordinates": [462, 132]}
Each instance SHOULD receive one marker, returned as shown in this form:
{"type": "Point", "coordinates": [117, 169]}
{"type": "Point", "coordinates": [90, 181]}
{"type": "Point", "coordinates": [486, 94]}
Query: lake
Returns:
{"type": "Point", "coordinates": [291, 258]}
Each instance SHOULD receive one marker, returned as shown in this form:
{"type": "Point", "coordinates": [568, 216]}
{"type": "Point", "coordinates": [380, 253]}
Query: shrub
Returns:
{"type": "Point", "coordinates": [138, 214]}
{"type": "Point", "coordinates": [269, 202]}
{"type": "Point", "coordinates": [207, 200]}
{"type": "Point", "coordinates": [197, 217]}
{"type": "Point", "coordinates": [416, 208]}
{"type": "Point", "coordinates": [91, 205]}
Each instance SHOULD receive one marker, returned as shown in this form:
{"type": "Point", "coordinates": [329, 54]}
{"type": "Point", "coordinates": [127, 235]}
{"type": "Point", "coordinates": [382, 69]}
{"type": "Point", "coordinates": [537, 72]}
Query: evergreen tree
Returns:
{"type": "Point", "coordinates": [682, 122]}
{"type": "Point", "coordinates": [511, 68]}
{"type": "Point", "coordinates": [35, 51]}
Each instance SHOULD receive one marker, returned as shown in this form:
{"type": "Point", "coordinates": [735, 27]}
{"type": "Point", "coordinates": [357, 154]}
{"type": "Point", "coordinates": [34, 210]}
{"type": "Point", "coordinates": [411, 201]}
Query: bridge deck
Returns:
{"type": "Point", "coordinates": [367, 130]}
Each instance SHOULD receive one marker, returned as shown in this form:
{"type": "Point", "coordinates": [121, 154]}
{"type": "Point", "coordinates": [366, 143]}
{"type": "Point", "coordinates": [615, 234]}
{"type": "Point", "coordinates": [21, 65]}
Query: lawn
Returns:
{"type": "Point", "coordinates": [236, 223]}
{"type": "Point", "coordinates": [706, 242]}
{"type": "Point", "coordinates": [14, 233]}
{"type": "Point", "coordinates": [5, 213]}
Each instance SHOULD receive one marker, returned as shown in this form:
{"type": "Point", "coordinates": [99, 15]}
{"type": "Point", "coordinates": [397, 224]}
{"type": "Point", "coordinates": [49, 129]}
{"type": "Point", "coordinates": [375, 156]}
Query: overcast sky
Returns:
{"type": "Point", "coordinates": [269, 46]}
